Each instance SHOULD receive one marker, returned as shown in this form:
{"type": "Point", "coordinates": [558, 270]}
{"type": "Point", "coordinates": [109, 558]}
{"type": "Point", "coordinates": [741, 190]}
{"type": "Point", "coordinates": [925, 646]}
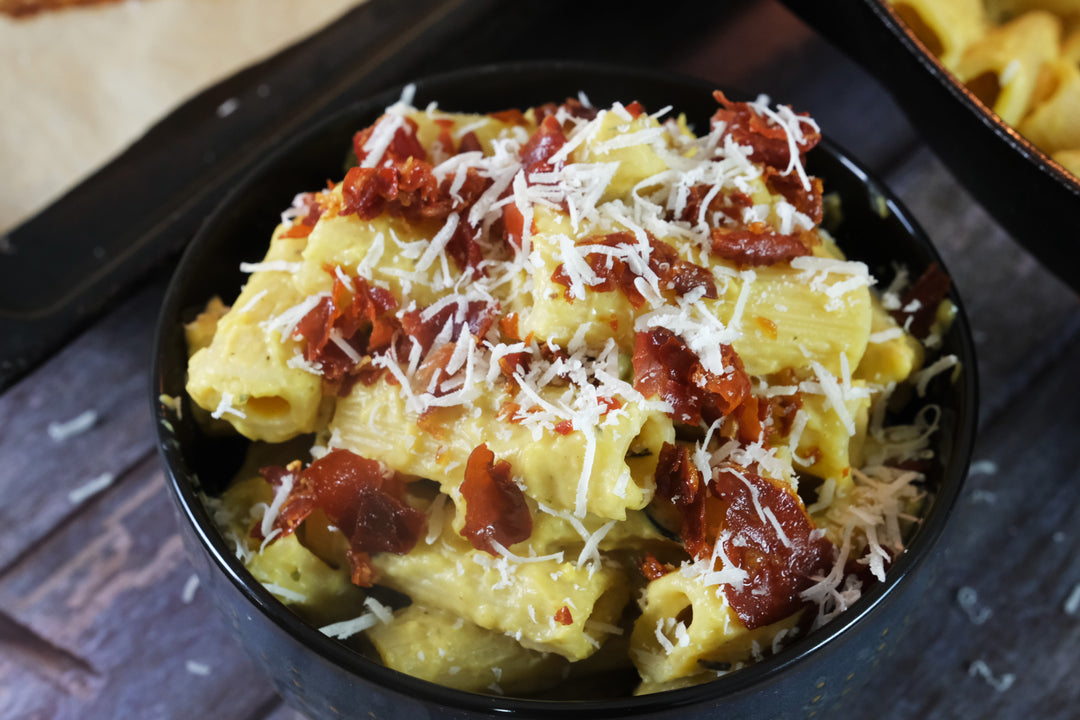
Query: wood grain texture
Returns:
{"type": "Point", "coordinates": [99, 624]}
{"type": "Point", "coordinates": [104, 371]}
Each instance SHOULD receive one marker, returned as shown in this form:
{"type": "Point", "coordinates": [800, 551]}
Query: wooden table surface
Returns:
{"type": "Point", "coordinates": [99, 613]}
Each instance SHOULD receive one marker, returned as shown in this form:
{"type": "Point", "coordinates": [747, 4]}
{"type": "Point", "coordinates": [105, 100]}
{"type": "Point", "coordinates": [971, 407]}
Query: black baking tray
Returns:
{"type": "Point", "coordinates": [1033, 198]}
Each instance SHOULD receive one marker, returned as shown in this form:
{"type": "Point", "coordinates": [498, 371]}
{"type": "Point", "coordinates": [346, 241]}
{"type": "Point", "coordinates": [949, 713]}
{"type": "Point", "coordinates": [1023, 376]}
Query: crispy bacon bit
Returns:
{"type": "Point", "coordinates": [769, 140]}
{"type": "Point", "coordinates": [665, 367]}
{"type": "Point", "coordinates": [495, 508]}
{"type": "Point", "coordinates": [779, 562]}
{"type": "Point", "coordinates": [747, 248]}
{"type": "Point", "coordinates": [679, 275]}
{"type": "Point", "coordinates": [920, 303]}
{"type": "Point", "coordinates": [563, 616]}
{"type": "Point", "coordinates": [545, 142]}
{"type": "Point", "coordinates": [674, 274]}
{"type": "Point", "coordinates": [808, 202]}
{"type": "Point", "coordinates": [360, 500]}
{"type": "Point", "coordinates": [652, 568]}
{"type": "Point", "coordinates": [432, 372]}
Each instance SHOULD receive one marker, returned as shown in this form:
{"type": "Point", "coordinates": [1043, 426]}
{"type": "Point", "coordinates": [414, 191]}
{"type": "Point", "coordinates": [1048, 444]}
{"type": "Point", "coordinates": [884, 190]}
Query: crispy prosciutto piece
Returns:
{"type": "Point", "coordinates": [673, 272]}
{"type": "Point", "coordinates": [679, 481]}
{"type": "Point", "coordinates": [572, 106]}
{"type": "Point", "coordinates": [920, 303]}
{"type": "Point", "coordinates": [545, 142]}
{"type": "Point", "coordinates": [808, 202]}
{"type": "Point", "coordinates": [777, 546]}
{"type": "Point", "coordinates": [665, 367]}
{"type": "Point", "coordinates": [730, 203]}
{"type": "Point", "coordinates": [424, 326]}
{"type": "Point", "coordinates": [345, 319]}
{"type": "Point", "coordinates": [751, 248]}
{"type": "Point", "coordinates": [769, 140]}
{"type": "Point", "coordinates": [360, 499]}
{"type": "Point", "coordinates": [404, 143]}
{"type": "Point", "coordinates": [495, 508]}
{"type": "Point", "coordinates": [764, 529]}
{"type": "Point", "coordinates": [311, 209]}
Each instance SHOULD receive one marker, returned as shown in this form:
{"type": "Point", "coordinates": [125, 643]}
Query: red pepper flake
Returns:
{"type": "Point", "coordinates": [508, 326]}
{"type": "Point", "coordinates": [360, 500]}
{"type": "Point", "coordinates": [767, 326]}
{"type": "Point", "coordinates": [665, 367]}
{"type": "Point", "coordinates": [495, 508]}
{"type": "Point", "coordinates": [652, 568]}
{"type": "Point", "coordinates": [754, 248]}
{"type": "Point", "coordinates": [564, 427]}
{"type": "Point", "coordinates": [563, 616]}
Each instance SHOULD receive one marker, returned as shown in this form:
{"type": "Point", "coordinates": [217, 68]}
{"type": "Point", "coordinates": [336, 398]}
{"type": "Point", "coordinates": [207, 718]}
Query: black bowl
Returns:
{"type": "Point", "coordinates": [323, 677]}
{"type": "Point", "coordinates": [1034, 198]}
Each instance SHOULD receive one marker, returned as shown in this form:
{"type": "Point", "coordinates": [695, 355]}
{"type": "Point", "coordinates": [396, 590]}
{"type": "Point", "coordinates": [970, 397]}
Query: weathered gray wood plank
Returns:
{"type": "Point", "coordinates": [104, 371]}
{"type": "Point", "coordinates": [98, 625]}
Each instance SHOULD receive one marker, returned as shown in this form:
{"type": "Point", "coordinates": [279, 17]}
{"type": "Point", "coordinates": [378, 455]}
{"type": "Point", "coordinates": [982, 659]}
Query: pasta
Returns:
{"type": "Point", "coordinates": [555, 385]}
{"type": "Point", "coordinates": [1021, 58]}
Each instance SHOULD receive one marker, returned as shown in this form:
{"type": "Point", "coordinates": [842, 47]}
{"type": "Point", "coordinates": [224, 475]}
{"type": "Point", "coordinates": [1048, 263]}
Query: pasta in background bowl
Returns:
{"type": "Point", "coordinates": [1017, 55]}
{"type": "Point", "coordinates": [320, 674]}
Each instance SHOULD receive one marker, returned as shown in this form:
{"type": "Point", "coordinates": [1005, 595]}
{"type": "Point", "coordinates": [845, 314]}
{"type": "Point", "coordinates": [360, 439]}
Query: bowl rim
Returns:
{"type": "Point", "coordinates": [182, 484]}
